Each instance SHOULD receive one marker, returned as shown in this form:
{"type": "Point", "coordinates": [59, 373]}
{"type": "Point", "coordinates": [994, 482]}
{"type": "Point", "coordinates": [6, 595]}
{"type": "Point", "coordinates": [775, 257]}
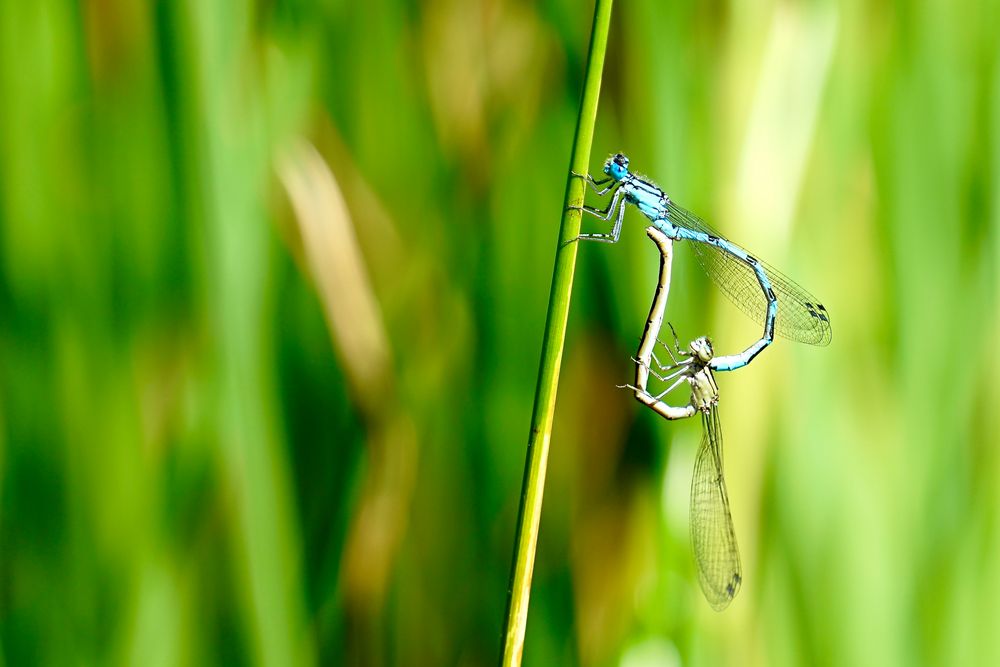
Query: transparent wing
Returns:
{"type": "Point", "coordinates": [713, 537]}
{"type": "Point", "coordinates": [800, 316]}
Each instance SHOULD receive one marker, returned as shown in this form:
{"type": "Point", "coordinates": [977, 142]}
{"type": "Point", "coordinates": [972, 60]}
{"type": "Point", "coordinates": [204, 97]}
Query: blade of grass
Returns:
{"type": "Point", "coordinates": [553, 341]}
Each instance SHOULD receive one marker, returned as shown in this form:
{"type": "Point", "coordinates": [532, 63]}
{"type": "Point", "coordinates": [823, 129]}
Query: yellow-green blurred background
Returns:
{"type": "Point", "coordinates": [273, 278]}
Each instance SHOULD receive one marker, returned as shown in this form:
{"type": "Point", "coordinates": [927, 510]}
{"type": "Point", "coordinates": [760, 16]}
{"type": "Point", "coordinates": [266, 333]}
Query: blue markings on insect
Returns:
{"type": "Point", "coordinates": [616, 167]}
{"type": "Point", "coordinates": [754, 286]}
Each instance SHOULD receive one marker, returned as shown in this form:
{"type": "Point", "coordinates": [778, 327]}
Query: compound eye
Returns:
{"type": "Point", "coordinates": [621, 160]}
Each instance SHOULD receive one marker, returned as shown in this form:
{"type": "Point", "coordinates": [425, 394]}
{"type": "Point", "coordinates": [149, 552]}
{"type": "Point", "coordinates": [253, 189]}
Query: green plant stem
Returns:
{"type": "Point", "coordinates": [533, 485]}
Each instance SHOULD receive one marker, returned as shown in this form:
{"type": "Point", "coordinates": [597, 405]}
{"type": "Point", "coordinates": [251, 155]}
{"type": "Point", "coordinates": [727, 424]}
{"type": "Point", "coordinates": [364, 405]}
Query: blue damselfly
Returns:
{"type": "Point", "coordinates": [755, 286]}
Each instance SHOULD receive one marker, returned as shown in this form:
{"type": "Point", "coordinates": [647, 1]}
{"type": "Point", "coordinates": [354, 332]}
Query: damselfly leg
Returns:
{"type": "Point", "coordinates": [595, 185]}
{"type": "Point", "coordinates": [615, 208]}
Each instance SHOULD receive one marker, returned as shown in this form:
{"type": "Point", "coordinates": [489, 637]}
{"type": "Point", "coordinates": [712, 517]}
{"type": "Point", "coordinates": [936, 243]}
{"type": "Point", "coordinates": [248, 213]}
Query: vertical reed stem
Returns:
{"type": "Point", "coordinates": [553, 342]}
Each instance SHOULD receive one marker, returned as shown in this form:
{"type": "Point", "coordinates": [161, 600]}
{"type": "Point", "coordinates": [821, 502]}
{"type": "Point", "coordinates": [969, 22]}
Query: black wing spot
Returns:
{"type": "Point", "coordinates": [733, 585]}
{"type": "Point", "coordinates": [817, 312]}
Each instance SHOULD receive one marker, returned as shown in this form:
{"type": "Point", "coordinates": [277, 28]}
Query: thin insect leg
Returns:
{"type": "Point", "coordinates": [604, 214]}
{"type": "Point", "coordinates": [669, 351]}
{"type": "Point", "coordinates": [670, 376]}
{"type": "Point", "coordinates": [678, 369]}
{"type": "Point", "coordinates": [673, 358]}
{"type": "Point", "coordinates": [594, 185]}
{"type": "Point", "coordinates": [652, 355]}
{"type": "Point", "coordinates": [670, 388]}
{"type": "Point", "coordinates": [659, 363]}
{"type": "Point", "coordinates": [677, 341]}
{"type": "Point", "coordinates": [590, 177]}
{"type": "Point", "coordinates": [679, 352]}
{"type": "Point", "coordinates": [615, 230]}
{"type": "Point", "coordinates": [668, 367]}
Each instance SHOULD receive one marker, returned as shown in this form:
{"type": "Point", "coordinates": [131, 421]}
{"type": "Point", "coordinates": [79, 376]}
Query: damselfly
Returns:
{"type": "Point", "coordinates": [713, 537]}
{"type": "Point", "coordinates": [755, 286]}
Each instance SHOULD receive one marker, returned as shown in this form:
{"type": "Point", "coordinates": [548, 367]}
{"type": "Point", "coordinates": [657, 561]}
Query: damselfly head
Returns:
{"type": "Point", "coordinates": [701, 349]}
{"type": "Point", "coordinates": [617, 166]}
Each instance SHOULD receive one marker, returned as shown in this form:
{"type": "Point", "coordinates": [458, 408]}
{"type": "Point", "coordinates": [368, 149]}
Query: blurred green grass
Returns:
{"type": "Point", "coordinates": [197, 466]}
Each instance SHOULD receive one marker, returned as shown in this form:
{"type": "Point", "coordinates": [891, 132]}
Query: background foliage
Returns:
{"type": "Point", "coordinates": [272, 285]}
